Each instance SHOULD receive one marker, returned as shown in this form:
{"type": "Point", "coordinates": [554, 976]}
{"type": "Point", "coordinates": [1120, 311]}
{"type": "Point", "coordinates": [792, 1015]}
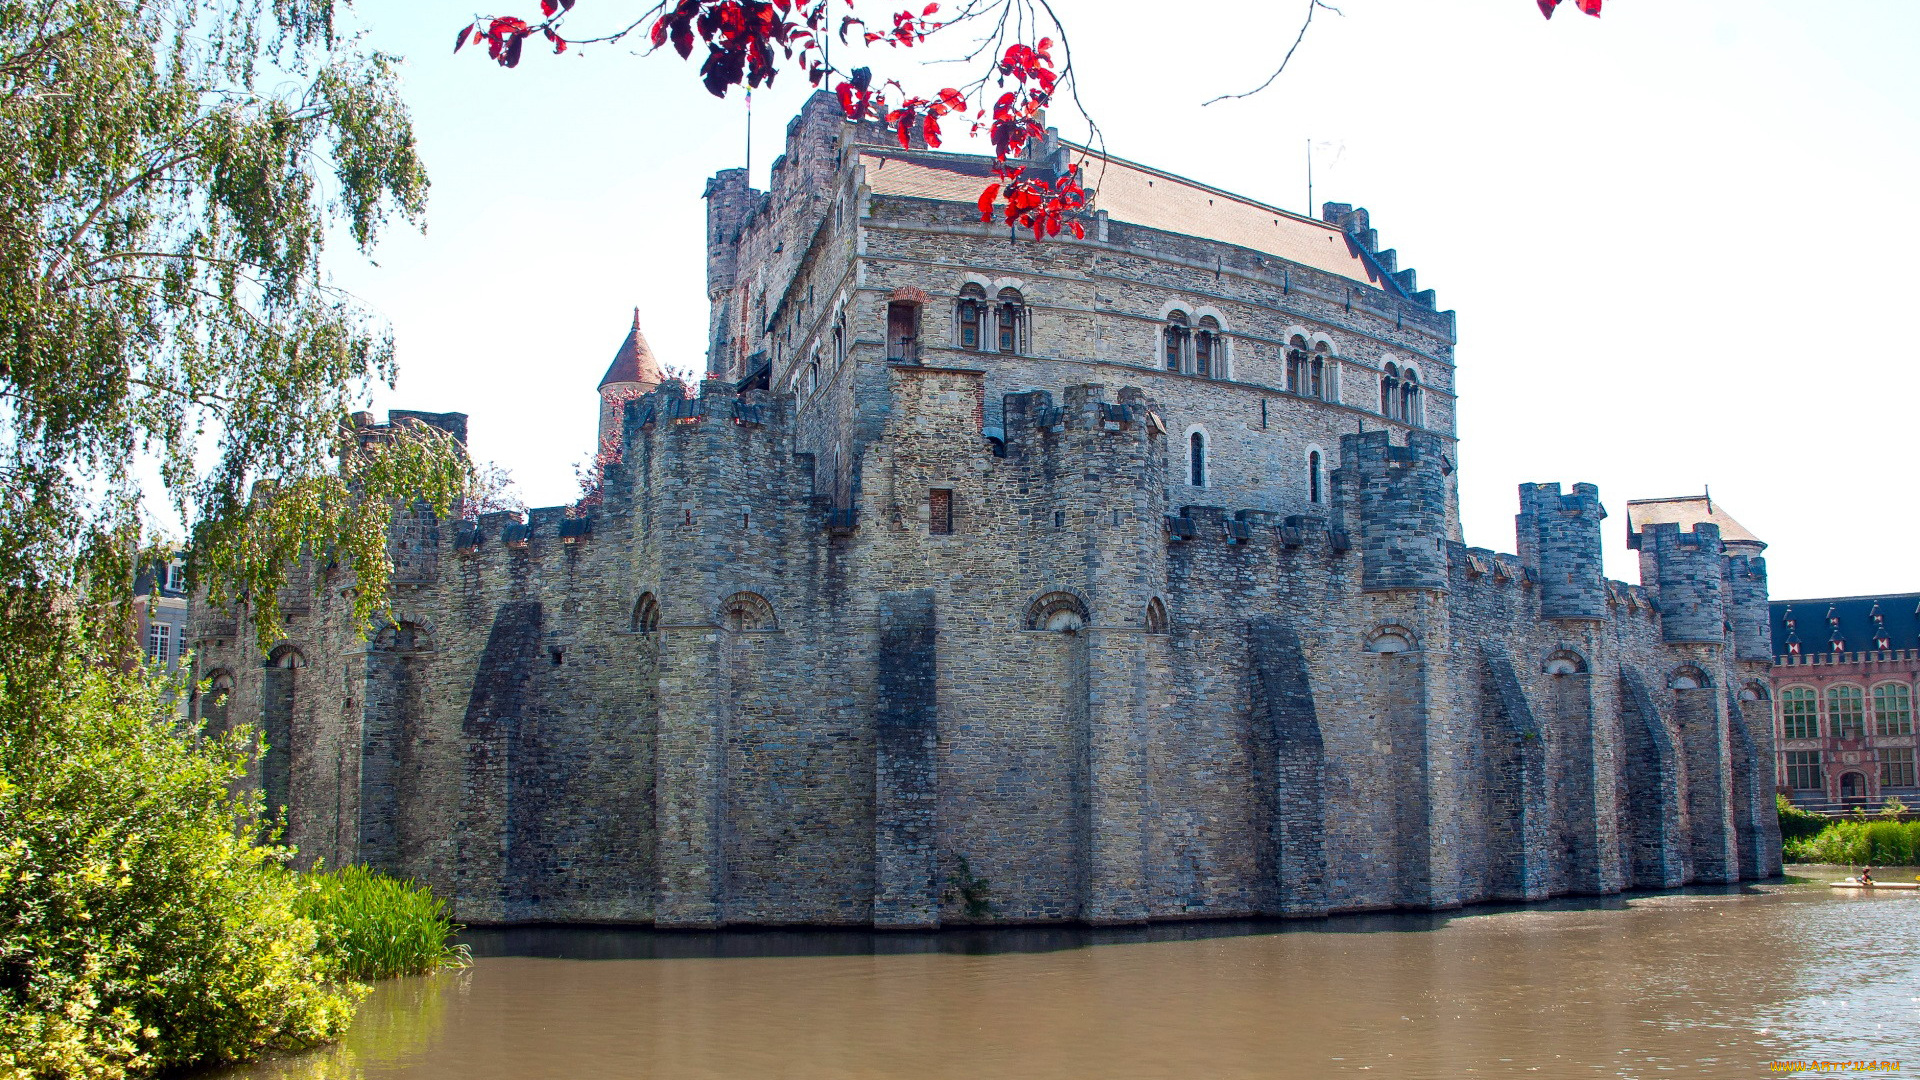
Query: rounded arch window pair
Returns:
{"type": "Point", "coordinates": [1000, 327]}
{"type": "Point", "coordinates": [1193, 348]}
{"type": "Point", "coordinates": [1400, 395]}
{"type": "Point", "coordinates": [1310, 369]}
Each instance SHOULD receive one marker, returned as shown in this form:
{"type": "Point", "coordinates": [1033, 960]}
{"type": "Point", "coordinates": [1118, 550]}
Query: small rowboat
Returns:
{"type": "Point", "coordinates": [1856, 883]}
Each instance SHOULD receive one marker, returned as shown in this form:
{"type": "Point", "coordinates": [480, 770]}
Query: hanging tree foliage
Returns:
{"type": "Point", "coordinates": [749, 42]}
{"type": "Point", "coordinates": [171, 172]}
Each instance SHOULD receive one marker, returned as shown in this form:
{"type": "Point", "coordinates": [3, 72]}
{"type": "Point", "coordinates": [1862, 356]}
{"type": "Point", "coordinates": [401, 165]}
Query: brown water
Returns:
{"type": "Point", "coordinates": [1715, 983]}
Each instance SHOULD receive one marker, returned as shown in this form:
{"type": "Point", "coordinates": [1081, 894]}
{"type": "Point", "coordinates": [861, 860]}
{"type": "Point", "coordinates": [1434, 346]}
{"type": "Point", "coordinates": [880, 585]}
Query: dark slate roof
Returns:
{"type": "Point", "coordinates": [634, 363]}
{"type": "Point", "coordinates": [1814, 627]}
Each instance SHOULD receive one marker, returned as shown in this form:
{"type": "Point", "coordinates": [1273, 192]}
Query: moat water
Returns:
{"type": "Point", "coordinates": [1711, 982]}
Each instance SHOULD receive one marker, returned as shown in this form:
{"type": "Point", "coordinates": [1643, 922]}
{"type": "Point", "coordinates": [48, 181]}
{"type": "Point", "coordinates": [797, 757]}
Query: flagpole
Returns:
{"type": "Point", "coordinates": [749, 140]}
{"type": "Point", "coordinates": [1310, 212]}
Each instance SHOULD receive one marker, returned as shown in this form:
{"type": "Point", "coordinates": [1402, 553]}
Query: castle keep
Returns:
{"type": "Point", "coordinates": [984, 578]}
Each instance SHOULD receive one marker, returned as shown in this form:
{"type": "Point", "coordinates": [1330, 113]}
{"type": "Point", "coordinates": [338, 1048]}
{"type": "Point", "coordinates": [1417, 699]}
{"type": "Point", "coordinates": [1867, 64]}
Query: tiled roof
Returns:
{"type": "Point", "coordinates": [1136, 195]}
{"type": "Point", "coordinates": [1817, 623]}
{"type": "Point", "coordinates": [634, 363]}
{"type": "Point", "coordinates": [1687, 511]}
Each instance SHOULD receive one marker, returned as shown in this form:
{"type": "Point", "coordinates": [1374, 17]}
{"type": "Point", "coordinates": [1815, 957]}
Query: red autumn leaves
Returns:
{"type": "Point", "coordinates": [505, 35]}
{"type": "Point", "coordinates": [1591, 7]}
{"type": "Point", "coordinates": [742, 37]}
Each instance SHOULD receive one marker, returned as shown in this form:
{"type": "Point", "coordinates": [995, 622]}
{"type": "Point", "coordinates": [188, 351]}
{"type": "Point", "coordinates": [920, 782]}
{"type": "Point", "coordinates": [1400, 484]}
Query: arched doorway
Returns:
{"type": "Point", "coordinates": [1852, 786]}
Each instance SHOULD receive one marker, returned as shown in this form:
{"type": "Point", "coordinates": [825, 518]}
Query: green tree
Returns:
{"type": "Point", "coordinates": [171, 170]}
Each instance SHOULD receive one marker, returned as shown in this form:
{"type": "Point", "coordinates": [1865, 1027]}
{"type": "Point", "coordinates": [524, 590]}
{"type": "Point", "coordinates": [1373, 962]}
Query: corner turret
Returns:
{"type": "Point", "coordinates": [1559, 538]}
{"type": "Point", "coordinates": [1705, 571]}
{"type": "Point", "coordinates": [633, 372]}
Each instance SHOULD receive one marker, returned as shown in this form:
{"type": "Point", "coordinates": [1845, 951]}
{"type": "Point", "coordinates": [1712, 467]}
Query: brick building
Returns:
{"type": "Point", "coordinates": [1844, 677]}
{"type": "Point", "coordinates": [1124, 573]}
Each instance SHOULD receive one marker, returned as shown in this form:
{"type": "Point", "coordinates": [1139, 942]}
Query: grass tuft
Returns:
{"type": "Point", "coordinates": [377, 927]}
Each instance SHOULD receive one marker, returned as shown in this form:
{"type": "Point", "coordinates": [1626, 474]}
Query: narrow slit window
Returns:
{"type": "Point", "coordinates": [940, 511]}
{"type": "Point", "coordinates": [1313, 477]}
{"type": "Point", "coordinates": [1197, 460]}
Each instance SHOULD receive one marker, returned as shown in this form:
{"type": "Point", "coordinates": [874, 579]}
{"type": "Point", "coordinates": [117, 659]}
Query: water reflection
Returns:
{"type": "Point", "coordinates": [1706, 982]}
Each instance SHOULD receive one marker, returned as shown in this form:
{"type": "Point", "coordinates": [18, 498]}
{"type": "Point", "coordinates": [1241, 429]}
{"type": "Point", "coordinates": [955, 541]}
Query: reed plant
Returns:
{"type": "Point", "coordinates": [376, 927]}
{"type": "Point", "coordinates": [1877, 843]}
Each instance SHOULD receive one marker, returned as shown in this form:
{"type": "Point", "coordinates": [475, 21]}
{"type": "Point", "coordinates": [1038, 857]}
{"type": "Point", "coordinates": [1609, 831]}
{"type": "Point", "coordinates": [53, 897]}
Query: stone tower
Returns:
{"type": "Point", "coordinates": [633, 372]}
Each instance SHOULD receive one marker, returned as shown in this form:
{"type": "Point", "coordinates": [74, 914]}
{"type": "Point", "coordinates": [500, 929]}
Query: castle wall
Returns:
{"type": "Point", "coordinates": [957, 639]}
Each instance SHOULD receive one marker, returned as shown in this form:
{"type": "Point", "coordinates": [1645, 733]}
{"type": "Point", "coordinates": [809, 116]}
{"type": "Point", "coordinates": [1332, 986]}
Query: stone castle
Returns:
{"type": "Point", "coordinates": [987, 579]}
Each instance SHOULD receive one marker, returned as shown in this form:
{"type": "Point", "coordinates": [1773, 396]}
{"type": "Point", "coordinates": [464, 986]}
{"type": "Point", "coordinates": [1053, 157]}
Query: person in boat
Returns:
{"type": "Point", "coordinates": [1866, 875]}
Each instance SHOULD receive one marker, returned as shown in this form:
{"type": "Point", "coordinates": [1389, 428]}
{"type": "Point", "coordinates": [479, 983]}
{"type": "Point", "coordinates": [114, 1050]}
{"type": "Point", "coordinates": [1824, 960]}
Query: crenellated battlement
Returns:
{"type": "Point", "coordinates": [1393, 500]}
{"type": "Point", "coordinates": [1559, 537]}
{"type": "Point", "coordinates": [1687, 570]}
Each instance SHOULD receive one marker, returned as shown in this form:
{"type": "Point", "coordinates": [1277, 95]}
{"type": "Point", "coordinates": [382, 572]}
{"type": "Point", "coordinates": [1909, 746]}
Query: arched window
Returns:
{"type": "Point", "coordinates": [1207, 350]}
{"type": "Point", "coordinates": [903, 332]}
{"type": "Point", "coordinates": [1410, 405]}
{"type": "Point", "coordinates": [1320, 372]}
{"type": "Point", "coordinates": [1314, 493]}
{"type": "Point", "coordinates": [1059, 611]}
{"type": "Point", "coordinates": [1892, 709]}
{"type": "Point", "coordinates": [747, 611]}
{"type": "Point", "coordinates": [1174, 341]}
{"type": "Point", "coordinates": [1197, 459]}
{"type": "Point", "coordinates": [1846, 712]}
{"type": "Point", "coordinates": [1688, 677]}
{"type": "Point", "coordinates": [1297, 365]}
{"type": "Point", "coordinates": [1010, 319]}
{"type": "Point", "coordinates": [971, 316]}
{"type": "Point", "coordinates": [1156, 616]}
{"type": "Point", "coordinates": [214, 701]}
{"type": "Point", "coordinates": [840, 339]}
{"type": "Point", "coordinates": [1390, 639]}
{"type": "Point", "coordinates": [1799, 714]}
{"type": "Point", "coordinates": [646, 614]}
{"type": "Point", "coordinates": [1389, 391]}
{"type": "Point", "coordinates": [1565, 662]}
{"type": "Point", "coordinates": [813, 376]}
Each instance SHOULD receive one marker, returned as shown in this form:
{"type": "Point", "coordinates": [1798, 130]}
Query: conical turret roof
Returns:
{"type": "Point", "coordinates": [634, 363]}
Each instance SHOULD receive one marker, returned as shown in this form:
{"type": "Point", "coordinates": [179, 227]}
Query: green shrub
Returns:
{"type": "Point", "coordinates": [1879, 843]}
{"type": "Point", "coordinates": [376, 927]}
{"type": "Point", "coordinates": [1795, 823]}
{"type": "Point", "coordinates": [141, 928]}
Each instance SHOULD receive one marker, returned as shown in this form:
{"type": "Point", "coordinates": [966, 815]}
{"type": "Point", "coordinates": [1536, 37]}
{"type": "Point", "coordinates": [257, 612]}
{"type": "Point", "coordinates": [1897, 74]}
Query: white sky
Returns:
{"type": "Point", "coordinates": [1677, 237]}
